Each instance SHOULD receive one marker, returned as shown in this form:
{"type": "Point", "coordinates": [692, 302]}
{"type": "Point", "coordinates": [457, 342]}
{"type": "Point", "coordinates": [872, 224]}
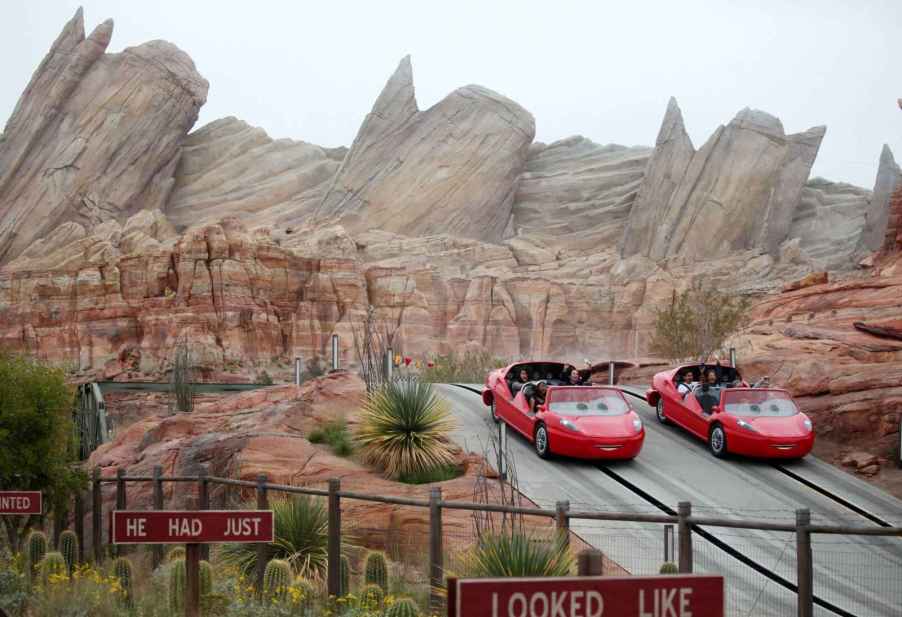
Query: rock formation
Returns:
{"type": "Point", "coordinates": [889, 178]}
{"type": "Point", "coordinates": [95, 137]}
{"type": "Point", "coordinates": [738, 192]}
{"type": "Point", "coordinates": [830, 221]}
{"type": "Point", "coordinates": [450, 169]}
{"type": "Point", "coordinates": [229, 168]}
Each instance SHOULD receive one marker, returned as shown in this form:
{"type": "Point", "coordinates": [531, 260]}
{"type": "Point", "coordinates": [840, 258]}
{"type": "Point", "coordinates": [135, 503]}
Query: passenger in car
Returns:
{"type": "Point", "coordinates": [576, 377]}
{"type": "Point", "coordinates": [521, 380]}
{"type": "Point", "coordinates": [684, 386]}
{"type": "Point", "coordinates": [537, 397]}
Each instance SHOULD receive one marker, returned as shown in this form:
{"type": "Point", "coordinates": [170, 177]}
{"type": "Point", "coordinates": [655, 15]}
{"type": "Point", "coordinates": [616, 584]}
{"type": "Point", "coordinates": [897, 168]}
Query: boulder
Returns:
{"type": "Point", "coordinates": [889, 178]}
{"type": "Point", "coordinates": [450, 169]}
{"type": "Point", "coordinates": [95, 136]}
{"type": "Point", "coordinates": [815, 278]}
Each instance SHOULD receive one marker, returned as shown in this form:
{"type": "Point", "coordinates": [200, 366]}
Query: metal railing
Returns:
{"type": "Point", "coordinates": [684, 521]}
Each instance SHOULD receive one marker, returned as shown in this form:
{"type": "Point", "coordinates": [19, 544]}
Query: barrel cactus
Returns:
{"type": "Point", "coordinates": [68, 546]}
{"type": "Point", "coordinates": [405, 607]}
{"type": "Point", "coordinates": [669, 568]}
{"type": "Point", "coordinates": [35, 549]}
{"type": "Point", "coordinates": [376, 570]}
{"type": "Point", "coordinates": [276, 579]}
{"type": "Point", "coordinates": [307, 597]}
{"type": "Point", "coordinates": [344, 579]}
{"type": "Point", "coordinates": [371, 596]}
{"type": "Point", "coordinates": [124, 573]}
{"type": "Point", "coordinates": [177, 585]}
{"type": "Point", "coordinates": [205, 573]}
{"type": "Point", "coordinates": [53, 564]}
{"type": "Point", "coordinates": [177, 553]}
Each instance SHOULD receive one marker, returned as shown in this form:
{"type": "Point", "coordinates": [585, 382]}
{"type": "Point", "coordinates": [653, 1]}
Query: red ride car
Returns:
{"type": "Point", "coordinates": [587, 421]}
{"type": "Point", "coordinates": [731, 416]}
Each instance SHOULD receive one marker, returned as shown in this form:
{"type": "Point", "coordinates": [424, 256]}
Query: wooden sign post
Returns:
{"type": "Point", "coordinates": [191, 528]}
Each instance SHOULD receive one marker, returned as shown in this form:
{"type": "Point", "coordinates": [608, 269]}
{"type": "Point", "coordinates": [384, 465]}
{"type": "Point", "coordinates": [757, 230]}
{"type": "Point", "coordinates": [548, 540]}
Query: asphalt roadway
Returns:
{"type": "Point", "coordinates": [853, 575]}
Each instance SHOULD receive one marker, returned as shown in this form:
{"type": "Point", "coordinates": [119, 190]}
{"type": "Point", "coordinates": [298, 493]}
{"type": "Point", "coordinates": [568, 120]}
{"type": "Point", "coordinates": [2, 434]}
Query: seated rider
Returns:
{"type": "Point", "coordinates": [685, 385]}
{"type": "Point", "coordinates": [575, 377]}
{"type": "Point", "coordinates": [708, 394]}
{"type": "Point", "coordinates": [520, 380]}
{"type": "Point", "coordinates": [537, 396]}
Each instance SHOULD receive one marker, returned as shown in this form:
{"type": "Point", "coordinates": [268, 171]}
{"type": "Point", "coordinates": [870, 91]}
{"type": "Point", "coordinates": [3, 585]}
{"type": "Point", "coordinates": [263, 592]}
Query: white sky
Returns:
{"type": "Point", "coordinates": [311, 70]}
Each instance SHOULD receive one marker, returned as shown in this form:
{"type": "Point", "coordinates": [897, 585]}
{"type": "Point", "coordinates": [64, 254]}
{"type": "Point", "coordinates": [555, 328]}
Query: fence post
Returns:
{"type": "Point", "coordinates": [436, 555]}
{"type": "Point", "coordinates": [80, 524]}
{"type": "Point", "coordinates": [805, 573]}
{"type": "Point", "coordinates": [334, 547]}
{"type": "Point", "coordinates": [192, 580]}
{"type": "Point", "coordinates": [203, 503]}
{"type": "Point", "coordinates": [121, 501]}
{"type": "Point", "coordinates": [684, 530]}
{"type": "Point", "coordinates": [502, 450]}
{"type": "Point", "coordinates": [611, 380]}
{"type": "Point", "coordinates": [157, 505]}
{"type": "Point", "coordinates": [97, 516]}
{"type": "Point", "coordinates": [590, 562]}
{"type": "Point", "coordinates": [562, 520]}
{"type": "Point", "coordinates": [262, 549]}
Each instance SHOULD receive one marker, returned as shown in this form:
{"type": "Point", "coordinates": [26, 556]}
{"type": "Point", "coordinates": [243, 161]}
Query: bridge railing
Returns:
{"type": "Point", "coordinates": [687, 525]}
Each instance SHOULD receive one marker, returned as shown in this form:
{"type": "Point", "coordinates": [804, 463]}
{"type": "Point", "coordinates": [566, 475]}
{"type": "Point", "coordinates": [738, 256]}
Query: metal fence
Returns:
{"type": "Point", "coordinates": [786, 581]}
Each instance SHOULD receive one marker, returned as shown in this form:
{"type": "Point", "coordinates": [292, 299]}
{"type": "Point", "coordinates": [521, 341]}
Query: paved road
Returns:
{"type": "Point", "coordinates": [862, 576]}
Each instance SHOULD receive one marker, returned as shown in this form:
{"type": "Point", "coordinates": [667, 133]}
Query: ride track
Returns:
{"type": "Point", "coordinates": [854, 576]}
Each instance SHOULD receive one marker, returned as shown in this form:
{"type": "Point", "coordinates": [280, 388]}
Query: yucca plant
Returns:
{"type": "Point", "coordinates": [301, 539]}
{"type": "Point", "coordinates": [404, 429]}
{"type": "Point", "coordinates": [518, 554]}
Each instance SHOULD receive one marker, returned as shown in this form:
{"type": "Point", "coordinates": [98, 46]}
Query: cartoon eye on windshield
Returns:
{"type": "Point", "coordinates": [582, 406]}
{"type": "Point", "coordinates": [774, 408]}
{"type": "Point", "coordinates": [755, 408]}
{"type": "Point", "coordinates": [602, 406]}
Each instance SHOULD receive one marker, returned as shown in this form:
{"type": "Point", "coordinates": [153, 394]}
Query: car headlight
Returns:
{"type": "Point", "coordinates": [569, 425]}
{"type": "Point", "coordinates": [637, 424]}
{"type": "Point", "coordinates": [746, 426]}
{"type": "Point", "coordinates": [808, 424]}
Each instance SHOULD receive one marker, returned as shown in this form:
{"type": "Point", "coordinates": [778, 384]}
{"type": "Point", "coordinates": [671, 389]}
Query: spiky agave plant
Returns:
{"type": "Point", "coordinates": [519, 554]}
{"type": "Point", "coordinates": [403, 429]}
{"type": "Point", "coordinates": [301, 538]}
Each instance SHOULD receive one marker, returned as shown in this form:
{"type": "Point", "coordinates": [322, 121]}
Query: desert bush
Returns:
{"type": "Point", "coordinates": [469, 367]}
{"type": "Point", "coordinates": [264, 378]}
{"type": "Point", "coordinates": [181, 385]}
{"type": "Point", "coordinates": [404, 429]}
{"type": "Point", "coordinates": [301, 539]}
{"type": "Point", "coordinates": [697, 323]}
{"type": "Point", "coordinates": [520, 554]}
{"type": "Point", "coordinates": [435, 474]}
{"type": "Point", "coordinates": [336, 435]}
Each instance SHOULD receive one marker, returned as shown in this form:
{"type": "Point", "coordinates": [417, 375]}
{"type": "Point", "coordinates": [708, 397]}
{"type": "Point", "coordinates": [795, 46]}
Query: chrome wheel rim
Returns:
{"type": "Point", "coordinates": [494, 412]}
{"type": "Point", "coordinates": [661, 410]}
{"type": "Point", "coordinates": [717, 439]}
{"type": "Point", "coordinates": [541, 440]}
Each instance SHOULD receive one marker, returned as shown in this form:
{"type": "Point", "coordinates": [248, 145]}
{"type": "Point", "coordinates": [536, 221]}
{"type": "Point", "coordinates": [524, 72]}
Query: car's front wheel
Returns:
{"type": "Point", "coordinates": [717, 441]}
{"type": "Point", "coordinates": [660, 411]}
{"type": "Point", "coordinates": [543, 448]}
{"type": "Point", "coordinates": [495, 412]}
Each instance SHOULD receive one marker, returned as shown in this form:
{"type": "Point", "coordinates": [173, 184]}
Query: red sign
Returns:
{"type": "Point", "coordinates": [20, 502]}
{"type": "Point", "coordinates": [633, 596]}
{"type": "Point", "coordinates": [190, 526]}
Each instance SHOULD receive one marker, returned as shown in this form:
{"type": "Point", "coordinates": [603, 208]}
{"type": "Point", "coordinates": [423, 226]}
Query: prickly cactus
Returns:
{"type": "Point", "coordinates": [344, 580]}
{"type": "Point", "coordinates": [205, 573]}
{"type": "Point", "coordinates": [376, 570]}
{"type": "Point", "coordinates": [177, 584]}
{"type": "Point", "coordinates": [405, 607]}
{"type": "Point", "coordinates": [669, 568]}
{"type": "Point", "coordinates": [36, 548]}
{"type": "Point", "coordinates": [68, 546]}
{"type": "Point", "coordinates": [177, 553]}
{"type": "Point", "coordinates": [371, 596]}
{"type": "Point", "coordinates": [308, 596]}
{"type": "Point", "coordinates": [124, 573]}
{"type": "Point", "coordinates": [276, 579]}
{"type": "Point", "coordinates": [52, 564]}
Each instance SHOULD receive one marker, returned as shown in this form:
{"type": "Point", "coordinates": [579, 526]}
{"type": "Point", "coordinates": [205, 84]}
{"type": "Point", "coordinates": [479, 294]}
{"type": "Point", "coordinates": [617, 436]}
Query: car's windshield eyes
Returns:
{"type": "Point", "coordinates": [606, 407]}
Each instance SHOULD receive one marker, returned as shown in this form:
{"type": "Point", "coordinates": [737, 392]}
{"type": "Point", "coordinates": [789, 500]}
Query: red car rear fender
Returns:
{"type": "Point", "coordinates": [652, 396]}
{"type": "Point", "coordinates": [487, 397]}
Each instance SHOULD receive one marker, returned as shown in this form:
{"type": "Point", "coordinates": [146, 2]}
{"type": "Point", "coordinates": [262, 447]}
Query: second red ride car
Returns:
{"type": "Point", "coordinates": [587, 422]}
{"type": "Point", "coordinates": [732, 417]}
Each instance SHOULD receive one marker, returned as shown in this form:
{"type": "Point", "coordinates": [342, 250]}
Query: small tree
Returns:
{"type": "Point", "coordinates": [374, 337]}
{"type": "Point", "coordinates": [697, 322]}
{"type": "Point", "coordinates": [182, 388]}
{"type": "Point", "coordinates": [37, 437]}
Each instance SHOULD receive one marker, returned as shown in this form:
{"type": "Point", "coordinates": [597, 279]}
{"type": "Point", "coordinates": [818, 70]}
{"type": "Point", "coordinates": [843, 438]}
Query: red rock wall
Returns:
{"type": "Point", "coordinates": [893, 240]}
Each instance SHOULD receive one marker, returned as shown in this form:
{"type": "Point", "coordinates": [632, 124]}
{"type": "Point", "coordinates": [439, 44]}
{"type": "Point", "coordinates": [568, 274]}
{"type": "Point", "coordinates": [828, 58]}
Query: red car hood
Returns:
{"type": "Point", "coordinates": [792, 426]}
{"type": "Point", "coordinates": [605, 426]}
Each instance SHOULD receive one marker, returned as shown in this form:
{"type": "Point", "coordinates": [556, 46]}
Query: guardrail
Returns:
{"type": "Point", "coordinates": [562, 515]}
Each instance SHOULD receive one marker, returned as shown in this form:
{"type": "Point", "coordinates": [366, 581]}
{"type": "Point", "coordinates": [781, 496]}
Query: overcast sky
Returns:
{"type": "Point", "coordinates": [311, 70]}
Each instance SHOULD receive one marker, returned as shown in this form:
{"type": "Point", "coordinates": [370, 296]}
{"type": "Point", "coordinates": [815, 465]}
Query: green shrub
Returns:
{"type": "Point", "coordinates": [177, 582]}
{"type": "Point", "coordinates": [53, 564]}
{"type": "Point", "coordinates": [68, 546]}
{"type": "Point", "coordinates": [669, 568]}
{"type": "Point", "coordinates": [405, 607]}
{"type": "Point", "coordinates": [470, 367]}
{"type": "Point", "coordinates": [301, 539]}
{"type": "Point", "coordinates": [276, 579]}
{"type": "Point", "coordinates": [376, 570]}
{"type": "Point", "coordinates": [517, 554]}
{"type": "Point", "coordinates": [264, 378]}
{"type": "Point", "coordinates": [336, 435]}
{"type": "Point", "coordinates": [124, 573]}
{"type": "Point", "coordinates": [344, 579]}
{"type": "Point", "coordinates": [437, 474]}
{"type": "Point", "coordinates": [175, 554]}
{"type": "Point", "coordinates": [371, 596]}
{"type": "Point", "coordinates": [404, 429]}
{"type": "Point", "coordinates": [35, 549]}
{"type": "Point", "coordinates": [205, 574]}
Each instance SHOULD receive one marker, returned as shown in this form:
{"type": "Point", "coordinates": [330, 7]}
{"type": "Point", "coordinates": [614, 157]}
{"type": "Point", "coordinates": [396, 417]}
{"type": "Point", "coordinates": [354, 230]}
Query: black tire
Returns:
{"type": "Point", "coordinates": [717, 441]}
{"type": "Point", "coordinates": [495, 412]}
{"type": "Point", "coordinates": [659, 411]}
{"type": "Point", "coordinates": [540, 442]}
